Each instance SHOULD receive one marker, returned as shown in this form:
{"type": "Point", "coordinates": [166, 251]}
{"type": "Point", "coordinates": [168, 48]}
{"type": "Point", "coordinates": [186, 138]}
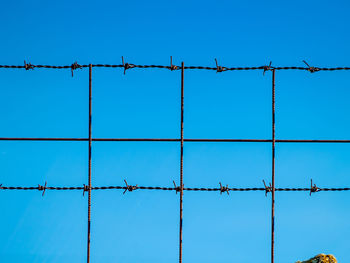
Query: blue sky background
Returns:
{"type": "Point", "coordinates": [142, 226]}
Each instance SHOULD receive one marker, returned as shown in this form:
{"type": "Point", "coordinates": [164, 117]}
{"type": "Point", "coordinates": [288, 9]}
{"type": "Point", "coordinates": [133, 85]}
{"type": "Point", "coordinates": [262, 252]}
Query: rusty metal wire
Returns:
{"type": "Point", "coordinates": [220, 189]}
{"type": "Point", "coordinates": [273, 168]}
{"type": "Point", "coordinates": [125, 66]}
{"type": "Point", "coordinates": [181, 161]}
{"type": "Point", "coordinates": [169, 140]}
{"type": "Point", "coordinates": [89, 162]}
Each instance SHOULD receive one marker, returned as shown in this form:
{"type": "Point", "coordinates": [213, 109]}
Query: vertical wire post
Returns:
{"type": "Point", "coordinates": [273, 172]}
{"type": "Point", "coordinates": [89, 169]}
{"type": "Point", "coordinates": [181, 158]}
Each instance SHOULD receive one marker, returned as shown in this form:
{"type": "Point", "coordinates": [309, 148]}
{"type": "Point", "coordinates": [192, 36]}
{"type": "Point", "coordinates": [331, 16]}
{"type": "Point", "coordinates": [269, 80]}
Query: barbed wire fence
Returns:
{"type": "Point", "coordinates": [178, 188]}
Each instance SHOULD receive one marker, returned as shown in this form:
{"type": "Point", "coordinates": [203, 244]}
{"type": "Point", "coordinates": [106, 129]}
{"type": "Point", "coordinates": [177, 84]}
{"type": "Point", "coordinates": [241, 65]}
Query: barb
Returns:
{"type": "Point", "coordinates": [42, 188]}
{"type": "Point", "coordinates": [313, 188]}
{"type": "Point", "coordinates": [311, 69]}
{"type": "Point", "coordinates": [177, 188]}
{"type": "Point", "coordinates": [75, 66]}
{"type": "Point", "coordinates": [268, 189]}
{"type": "Point", "coordinates": [126, 66]}
{"type": "Point", "coordinates": [129, 188]}
{"type": "Point", "coordinates": [224, 189]}
{"type": "Point", "coordinates": [85, 189]}
{"type": "Point", "coordinates": [28, 66]}
{"type": "Point", "coordinates": [219, 68]}
{"type": "Point", "coordinates": [172, 67]}
{"type": "Point", "coordinates": [267, 68]}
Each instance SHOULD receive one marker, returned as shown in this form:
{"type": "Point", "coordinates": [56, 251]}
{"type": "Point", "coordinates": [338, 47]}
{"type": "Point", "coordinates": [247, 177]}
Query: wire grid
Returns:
{"type": "Point", "coordinates": [270, 188]}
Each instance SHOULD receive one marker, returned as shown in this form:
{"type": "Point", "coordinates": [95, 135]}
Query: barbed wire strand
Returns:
{"type": "Point", "coordinates": [125, 66]}
{"type": "Point", "coordinates": [130, 188]}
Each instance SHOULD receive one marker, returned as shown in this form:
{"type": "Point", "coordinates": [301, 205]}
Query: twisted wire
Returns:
{"type": "Point", "coordinates": [173, 67]}
{"type": "Point", "coordinates": [219, 189]}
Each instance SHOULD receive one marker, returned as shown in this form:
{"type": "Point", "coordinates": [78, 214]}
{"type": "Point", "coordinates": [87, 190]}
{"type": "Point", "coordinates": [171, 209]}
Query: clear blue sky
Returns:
{"type": "Point", "coordinates": [142, 226]}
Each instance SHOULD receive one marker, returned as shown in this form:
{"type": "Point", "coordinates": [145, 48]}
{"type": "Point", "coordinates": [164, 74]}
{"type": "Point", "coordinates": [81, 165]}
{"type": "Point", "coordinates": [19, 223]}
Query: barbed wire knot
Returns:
{"type": "Point", "coordinates": [28, 66]}
{"type": "Point", "coordinates": [219, 68]}
{"type": "Point", "coordinates": [85, 189]}
{"type": "Point", "coordinates": [177, 188]}
{"type": "Point", "coordinates": [129, 188]}
{"type": "Point", "coordinates": [268, 189]}
{"type": "Point", "coordinates": [172, 67]}
{"type": "Point", "coordinates": [0, 186]}
{"type": "Point", "coordinates": [267, 68]}
{"type": "Point", "coordinates": [75, 66]}
{"type": "Point", "coordinates": [224, 189]}
{"type": "Point", "coordinates": [314, 188]}
{"type": "Point", "coordinates": [126, 65]}
{"type": "Point", "coordinates": [42, 188]}
{"type": "Point", "coordinates": [311, 69]}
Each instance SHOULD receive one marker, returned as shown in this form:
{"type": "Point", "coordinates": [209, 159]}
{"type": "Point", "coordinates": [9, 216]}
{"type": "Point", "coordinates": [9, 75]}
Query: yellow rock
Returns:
{"type": "Point", "coordinates": [320, 258]}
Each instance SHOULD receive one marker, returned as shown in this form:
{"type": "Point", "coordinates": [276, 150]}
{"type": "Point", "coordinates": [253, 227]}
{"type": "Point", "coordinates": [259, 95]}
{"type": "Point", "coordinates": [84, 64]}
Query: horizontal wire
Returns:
{"type": "Point", "coordinates": [130, 66]}
{"type": "Point", "coordinates": [170, 140]}
{"type": "Point", "coordinates": [131, 188]}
